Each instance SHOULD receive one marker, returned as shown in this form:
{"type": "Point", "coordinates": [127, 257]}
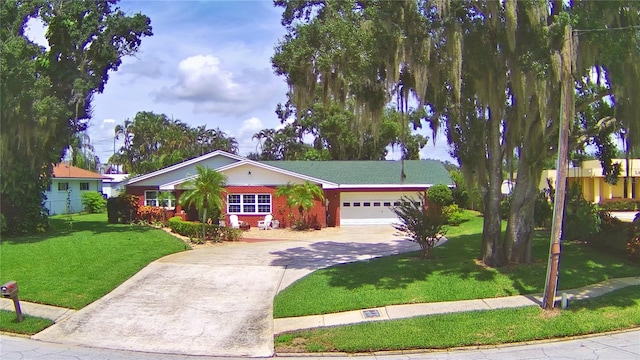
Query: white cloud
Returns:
{"type": "Point", "coordinates": [244, 135]}
{"type": "Point", "coordinates": [211, 88]}
{"type": "Point", "coordinates": [107, 124]}
{"type": "Point", "coordinates": [250, 127]}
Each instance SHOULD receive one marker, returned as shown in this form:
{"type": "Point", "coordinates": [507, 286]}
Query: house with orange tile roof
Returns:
{"type": "Point", "coordinates": [67, 184]}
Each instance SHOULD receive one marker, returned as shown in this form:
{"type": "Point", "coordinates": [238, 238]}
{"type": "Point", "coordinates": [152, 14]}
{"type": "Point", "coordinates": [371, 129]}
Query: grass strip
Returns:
{"type": "Point", "coordinates": [28, 326]}
{"type": "Point", "coordinates": [614, 311]}
{"type": "Point", "coordinates": [80, 261]}
{"type": "Point", "coordinates": [454, 273]}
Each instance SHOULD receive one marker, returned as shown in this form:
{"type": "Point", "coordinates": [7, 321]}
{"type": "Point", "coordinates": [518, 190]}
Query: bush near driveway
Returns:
{"type": "Point", "coordinates": [420, 223]}
{"type": "Point", "coordinates": [440, 195]}
{"type": "Point", "coordinates": [193, 230]}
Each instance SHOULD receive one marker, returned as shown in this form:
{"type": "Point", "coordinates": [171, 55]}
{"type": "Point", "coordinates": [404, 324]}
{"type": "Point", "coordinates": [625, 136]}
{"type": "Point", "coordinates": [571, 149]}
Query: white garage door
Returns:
{"type": "Point", "coordinates": [361, 208]}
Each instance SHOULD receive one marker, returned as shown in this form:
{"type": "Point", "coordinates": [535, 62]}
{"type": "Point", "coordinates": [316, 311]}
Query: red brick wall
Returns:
{"type": "Point", "coordinates": [279, 208]}
{"type": "Point", "coordinates": [139, 191]}
{"type": "Point", "coordinates": [333, 210]}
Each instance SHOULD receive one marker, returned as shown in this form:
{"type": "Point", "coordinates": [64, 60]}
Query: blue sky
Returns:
{"type": "Point", "coordinates": [208, 63]}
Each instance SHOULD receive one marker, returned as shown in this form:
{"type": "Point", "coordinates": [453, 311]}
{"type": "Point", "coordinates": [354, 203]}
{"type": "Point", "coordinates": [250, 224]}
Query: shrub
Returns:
{"type": "Point", "coordinates": [193, 230]}
{"type": "Point", "coordinates": [93, 202]}
{"type": "Point", "coordinates": [542, 211]}
{"type": "Point", "coordinates": [229, 234]}
{"type": "Point", "coordinates": [460, 197]}
{"type": "Point", "coordinates": [440, 195]}
{"type": "Point", "coordinates": [633, 249]}
{"type": "Point", "coordinates": [459, 192]}
{"type": "Point", "coordinates": [150, 214]}
{"type": "Point", "coordinates": [185, 228]}
{"type": "Point", "coordinates": [3, 224]}
{"type": "Point", "coordinates": [633, 246]}
{"type": "Point", "coordinates": [581, 219]}
{"type": "Point", "coordinates": [613, 234]}
{"type": "Point", "coordinates": [505, 205]}
{"type": "Point", "coordinates": [123, 208]}
{"type": "Point", "coordinates": [619, 204]}
{"type": "Point", "coordinates": [421, 224]}
{"type": "Point", "coordinates": [453, 215]}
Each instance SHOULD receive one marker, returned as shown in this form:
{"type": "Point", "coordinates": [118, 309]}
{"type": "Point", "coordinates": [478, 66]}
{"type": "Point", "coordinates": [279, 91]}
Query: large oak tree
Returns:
{"type": "Point", "coordinates": [46, 93]}
{"type": "Point", "coordinates": [488, 71]}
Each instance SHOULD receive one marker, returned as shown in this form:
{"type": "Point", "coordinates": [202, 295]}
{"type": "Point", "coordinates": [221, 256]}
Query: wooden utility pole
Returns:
{"type": "Point", "coordinates": [567, 110]}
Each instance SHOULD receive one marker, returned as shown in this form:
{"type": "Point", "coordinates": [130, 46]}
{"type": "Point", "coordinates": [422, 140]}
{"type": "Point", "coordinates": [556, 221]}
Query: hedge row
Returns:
{"type": "Point", "coordinates": [151, 214]}
{"type": "Point", "coordinates": [619, 204]}
{"type": "Point", "coordinates": [616, 236]}
{"type": "Point", "coordinates": [193, 230]}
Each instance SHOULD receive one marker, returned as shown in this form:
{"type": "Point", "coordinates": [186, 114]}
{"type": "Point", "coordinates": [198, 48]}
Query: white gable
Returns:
{"type": "Point", "coordinates": [251, 175]}
{"type": "Point", "coordinates": [182, 170]}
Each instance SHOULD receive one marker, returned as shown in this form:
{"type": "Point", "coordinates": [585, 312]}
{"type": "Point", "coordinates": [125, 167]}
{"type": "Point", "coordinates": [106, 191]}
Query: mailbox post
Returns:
{"type": "Point", "coordinates": [10, 290]}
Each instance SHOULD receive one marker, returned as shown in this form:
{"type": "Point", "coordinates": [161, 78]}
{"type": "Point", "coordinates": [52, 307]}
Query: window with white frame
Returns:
{"type": "Point", "coordinates": [249, 203]}
{"type": "Point", "coordinates": [158, 198]}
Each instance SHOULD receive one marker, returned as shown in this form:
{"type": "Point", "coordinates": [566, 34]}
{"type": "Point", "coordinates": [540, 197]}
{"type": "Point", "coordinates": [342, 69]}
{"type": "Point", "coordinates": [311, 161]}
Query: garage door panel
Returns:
{"type": "Point", "coordinates": [361, 208]}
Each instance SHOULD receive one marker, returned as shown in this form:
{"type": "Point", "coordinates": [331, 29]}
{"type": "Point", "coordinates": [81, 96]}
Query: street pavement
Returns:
{"type": "Point", "coordinates": [611, 346]}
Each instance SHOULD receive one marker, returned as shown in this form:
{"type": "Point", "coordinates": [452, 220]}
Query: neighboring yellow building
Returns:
{"type": "Point", "coordinates": [589, 176]}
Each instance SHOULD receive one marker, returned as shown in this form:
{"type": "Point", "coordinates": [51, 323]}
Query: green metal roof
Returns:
{"type": "Point", "coordinates": [370, 172]}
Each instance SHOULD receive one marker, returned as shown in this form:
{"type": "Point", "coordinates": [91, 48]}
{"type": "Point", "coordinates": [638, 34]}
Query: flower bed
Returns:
{"type": "Point", "coordinates": [193, 230]}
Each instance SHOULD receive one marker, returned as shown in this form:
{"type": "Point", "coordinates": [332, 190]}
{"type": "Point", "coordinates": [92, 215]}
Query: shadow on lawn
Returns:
{"type": "Point", "coordinates": [61, 226]}
{"type": "Point", "coordinates": [579, 265]}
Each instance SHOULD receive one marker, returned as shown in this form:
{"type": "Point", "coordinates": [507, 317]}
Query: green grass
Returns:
{"type": "Point", "coordinates": [29, 324]}
{"type": "Point", "coordinates": [614, 311]}
{"type": "Point", "coordinates": [452, 274]}
{"type": "Point", "coordinates": [72, 266]}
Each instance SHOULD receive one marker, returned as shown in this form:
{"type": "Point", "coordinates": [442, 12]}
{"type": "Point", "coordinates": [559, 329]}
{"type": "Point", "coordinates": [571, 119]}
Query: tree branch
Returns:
{"type": "Point", "coordinates": [584, 103]}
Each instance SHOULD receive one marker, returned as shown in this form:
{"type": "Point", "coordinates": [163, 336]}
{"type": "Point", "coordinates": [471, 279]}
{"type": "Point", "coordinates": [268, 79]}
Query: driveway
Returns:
{"type": "Point", "coordinates": [215, 301]}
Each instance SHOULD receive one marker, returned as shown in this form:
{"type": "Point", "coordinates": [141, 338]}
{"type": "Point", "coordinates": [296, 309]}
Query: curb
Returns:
{"type": "Point", "coordinates": [459, 348]}
{"type": "Point", "coordinates": [403, 311]}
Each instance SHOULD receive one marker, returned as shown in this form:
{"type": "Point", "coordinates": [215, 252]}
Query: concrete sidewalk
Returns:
{"type": "Point", "coordinates": [393, 312]}
{"type": "Point", "coordinates": [44, 311]}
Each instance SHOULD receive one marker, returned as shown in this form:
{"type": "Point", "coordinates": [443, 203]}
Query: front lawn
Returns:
{"type": "Point", "coordinates": [80, 261]}
{"type": "Point", "coordinates": [453, 274]}
{"type": "Point", "coordinates": [614, 311]}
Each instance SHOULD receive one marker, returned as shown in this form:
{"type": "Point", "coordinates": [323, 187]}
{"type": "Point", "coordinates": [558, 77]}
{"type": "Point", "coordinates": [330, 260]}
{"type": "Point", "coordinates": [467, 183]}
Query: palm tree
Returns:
{"type": "Point", "coordinates": [204, 192]}
{"type": "Point", "coordinates": [302, 197]}
{"type": "Point", "coordinates": [124, 156]}
{"type": "Point", "coordinates": [82, 153]}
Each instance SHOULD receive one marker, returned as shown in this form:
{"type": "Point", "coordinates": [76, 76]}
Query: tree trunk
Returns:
{"type": "Point", "coordinates": [492, 246]}
{"type": "Point", "coordinates": [204, 224]}
{"type": "Point", "coordinates": [520, 223]}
